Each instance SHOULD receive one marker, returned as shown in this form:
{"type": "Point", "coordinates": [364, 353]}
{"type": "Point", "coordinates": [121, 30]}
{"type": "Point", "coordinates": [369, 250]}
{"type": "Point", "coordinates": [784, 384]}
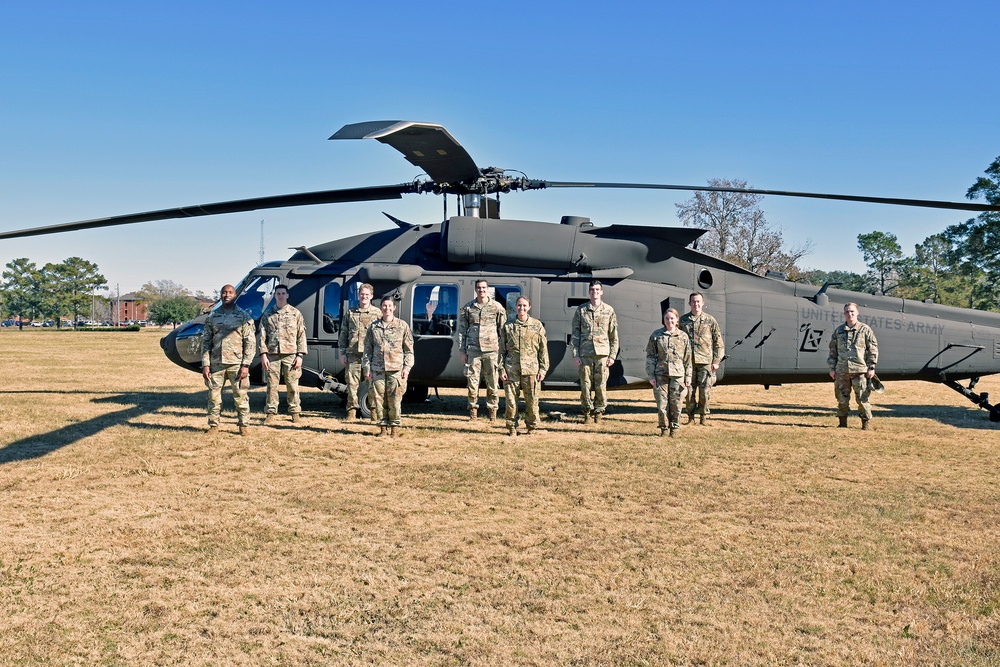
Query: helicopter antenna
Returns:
{"type": "Point", "coordinates": [261, 261]}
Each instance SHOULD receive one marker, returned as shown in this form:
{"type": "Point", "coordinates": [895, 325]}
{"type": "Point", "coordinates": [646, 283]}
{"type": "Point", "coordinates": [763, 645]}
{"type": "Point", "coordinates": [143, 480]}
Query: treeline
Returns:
{"type": "Point", "coordinates": [51, 292]}
{"type": "Point", "coordinates": [170, 303]}
{"type": "Point", "coordinates": [67, 290]}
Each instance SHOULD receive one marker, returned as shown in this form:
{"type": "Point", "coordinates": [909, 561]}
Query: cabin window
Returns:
{"type": "Point", "coordinates": [331, 308]}
{"type": "Point", "coordinates": [435, 309]}
{"type": "Point", "coordinates": [507, 296]}
{"type": "Point", "coordinates": [256, 294]}
{"type": "Point", "coordinates": [705, 279]}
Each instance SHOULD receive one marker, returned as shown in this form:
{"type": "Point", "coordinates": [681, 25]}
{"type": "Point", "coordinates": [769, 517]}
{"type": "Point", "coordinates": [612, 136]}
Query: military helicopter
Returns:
{"type": "Point", "coordinates": [776, 331]}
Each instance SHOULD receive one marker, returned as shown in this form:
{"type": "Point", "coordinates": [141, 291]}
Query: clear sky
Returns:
{"type": "Point", "coordinates": [109, 108]}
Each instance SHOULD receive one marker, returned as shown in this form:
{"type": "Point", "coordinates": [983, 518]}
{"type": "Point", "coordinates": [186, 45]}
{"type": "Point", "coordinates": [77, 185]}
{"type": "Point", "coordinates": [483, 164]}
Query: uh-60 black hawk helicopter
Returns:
{"type": "Point", "coordinates": [775, 331]}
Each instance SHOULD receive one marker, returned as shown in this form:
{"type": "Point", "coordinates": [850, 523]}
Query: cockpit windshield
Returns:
{"type": "Point", "coordinates": [254, 293]}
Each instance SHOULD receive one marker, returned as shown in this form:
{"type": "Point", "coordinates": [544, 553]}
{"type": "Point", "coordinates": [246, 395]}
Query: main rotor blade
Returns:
{"type": "Point", "coordinates": [237, 206]}
{"type": "Point", "coordinates": [925, 203]}
{"type": "Point", "coordinates": [425, 145]}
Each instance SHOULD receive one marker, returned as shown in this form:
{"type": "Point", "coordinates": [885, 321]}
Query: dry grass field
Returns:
{"type": "Point", "coordinates": [769, 537]}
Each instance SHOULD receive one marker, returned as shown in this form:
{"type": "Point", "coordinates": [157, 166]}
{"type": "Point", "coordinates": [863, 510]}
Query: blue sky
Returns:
{"type": "Point", "coordinates": [116, 107]}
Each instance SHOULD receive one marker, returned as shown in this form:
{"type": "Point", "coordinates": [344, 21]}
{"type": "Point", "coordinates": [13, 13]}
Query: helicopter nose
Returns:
{"type": "Point", "coordinates": [170, 344]}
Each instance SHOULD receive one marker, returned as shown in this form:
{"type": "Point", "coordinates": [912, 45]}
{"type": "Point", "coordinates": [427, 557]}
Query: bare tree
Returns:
{"type": "Point", "coordinates": [738, 231]}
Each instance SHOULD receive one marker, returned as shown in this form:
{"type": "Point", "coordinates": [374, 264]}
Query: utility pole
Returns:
{"type": "Point", "coordinates": [261, 260]}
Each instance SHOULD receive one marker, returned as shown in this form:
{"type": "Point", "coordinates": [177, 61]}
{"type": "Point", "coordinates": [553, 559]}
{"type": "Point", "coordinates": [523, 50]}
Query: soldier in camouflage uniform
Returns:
{"type": "Point", "coordinates": [853, 355]}
{"type": "Point", "coordinates": [227, 349]}
{"type": "Point", "coordinates": [479, 325]}
{"type": "Point", "coordinates": [353, 327]}
{"type": "Point", "coordinates": [595, 346]}
{"type": "Point", "coordinates": [706, 340]}
{"type": "Point", "coordinates": [387, 362]}
{"type": "Point", "coordinates": [282, 347]}
{"type": "Point", "coordinates": [669, 369]}
{"type": "Point", "coordinates": [525, 360]}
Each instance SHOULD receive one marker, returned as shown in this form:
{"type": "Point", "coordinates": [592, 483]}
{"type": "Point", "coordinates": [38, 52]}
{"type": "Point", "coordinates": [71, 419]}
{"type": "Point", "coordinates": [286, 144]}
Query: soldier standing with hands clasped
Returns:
{"type": "Point", "coordinates": [387, 362]}
{"type": "Point", "coordinates": [525, 360]}
{"type": "Point", "coordinates": [479, 325]}
{"type": "Point", "coordinates": [353, 327]}
{"type": "Point", "coordinates": [853, 355]}
{"type": "Point", "coordinates": [227, 349]}
{"type": "Point", "coordinates": [708, 350]}
{"type": "Point", "coordinates": [668, 366]}
{"type": "Point", "coordinates": [595, 346]}
{"type": "Point", "coordinates": [282, 347]}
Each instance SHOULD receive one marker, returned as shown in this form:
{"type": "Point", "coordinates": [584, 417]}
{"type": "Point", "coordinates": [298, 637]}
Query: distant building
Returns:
{"type": "Point", "coordinates": [128, 308]}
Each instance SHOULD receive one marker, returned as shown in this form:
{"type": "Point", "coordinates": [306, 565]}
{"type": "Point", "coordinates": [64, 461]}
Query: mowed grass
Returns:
{"type": "Point", "coordinates": [769, 537]}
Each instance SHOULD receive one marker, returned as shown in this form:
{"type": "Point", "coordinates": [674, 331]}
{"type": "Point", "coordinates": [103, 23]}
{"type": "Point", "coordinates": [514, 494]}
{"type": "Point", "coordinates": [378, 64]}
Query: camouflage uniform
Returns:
{"type": "Point", "coordinates": [227, 344]}
{"type": "Point", "coordinates": [353, 327]}
{"type": "Point", "coordinates": [708, 349]}
{"type": "Point", "coordinates": [853, 350]}
{"type": "Point", "coordinates": [595, 338]}
{"type": "Point", "coordinates": [283, 338]}
{"type": "Point", "coordinates": [478, 338]}
{"type": "Point", "coordinates": [388, 350]}
{"type": "Point", "coordinates": [668, 362]}
{"type": "Point", "coordinates": [525, 356]}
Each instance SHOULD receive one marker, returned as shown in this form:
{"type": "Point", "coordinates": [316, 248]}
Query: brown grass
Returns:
{"type": "Point", "coordinates": [767, 538]}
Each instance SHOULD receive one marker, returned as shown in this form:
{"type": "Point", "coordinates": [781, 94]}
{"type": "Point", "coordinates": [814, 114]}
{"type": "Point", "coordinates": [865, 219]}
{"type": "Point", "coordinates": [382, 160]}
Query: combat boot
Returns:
{"type": "Point", "coordinates": [244, 431]}
{"type": "Point", "coordinates": [663, 431]}
{"type": "Point", "coordinates": [702, 420]}
{"type": "Point", "coordinates": [843, 423]}
{"type": "Point", "coordinates": [512, 430]}
{"type": "Point", "coordinates": [269, 418]}
{"type": "Point", "coordinates": [690, 418]}
{"type": "Point", "coordinates": [597, 417]}
{"type": "Point", "coordinates": [382, 430]}
{"type": "Point", "coordinates": [865, 425]}
{"type": "Point", "coordinates": [393, 431]}
{"type": "Point", "coordinates": [472, 414]}
{"type": "Point", "coordinates": [296, 418]}
{"type": "Point", "coordinates": [674, 427]}
{"type": "Point", "coordinates": [493, 415]}
{"type": "Point", "coordinates": [213, 429]}
{"type": "Point", "coordinates": [586, 417]}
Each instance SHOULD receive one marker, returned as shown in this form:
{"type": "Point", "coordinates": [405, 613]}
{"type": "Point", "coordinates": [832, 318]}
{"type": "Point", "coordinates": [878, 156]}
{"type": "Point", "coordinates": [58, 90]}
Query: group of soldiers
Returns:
{"type": "Point", "coordinates": [682, 358]}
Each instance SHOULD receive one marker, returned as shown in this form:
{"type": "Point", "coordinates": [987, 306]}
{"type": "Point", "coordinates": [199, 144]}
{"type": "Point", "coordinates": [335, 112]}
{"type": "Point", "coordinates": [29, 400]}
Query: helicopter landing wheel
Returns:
{"type": "Point", "coordinates": [364, 401]}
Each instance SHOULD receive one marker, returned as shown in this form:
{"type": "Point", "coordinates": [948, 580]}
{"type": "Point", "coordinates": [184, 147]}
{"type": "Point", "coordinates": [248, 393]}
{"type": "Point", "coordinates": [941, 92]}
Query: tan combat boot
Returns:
{"type": "Point", "coordinates": [382, 430]}
{"type": "Point", "coordinates": [690, 418]}
{"type": "Point", "coordinates": [511, 430]}
{"type": "Point", "coordinates": [472, 414]}
{"type": "Point", "coordinates": [244, 431]}
{"type": "Point", "coordinates": [597, 417]}
{"type": "Point", "coordinates": [296, 418]}
{"type": "Point", "coordinates": [213, 429]}
{"type": "Point", "coordinates": [702, 419]}
{"type": "Point", "coordinates": [586, 417]}
{"type": "Point", "coordinates": [843, 422]}
{"type": "Point", "coordinates": [393, 431]}
{"type": "Point", "coordinates": [493, 415]}
{"type": "Point", "coordinates": [865, 425]}
{"type": "Point", "coordinates": [269, 418]}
